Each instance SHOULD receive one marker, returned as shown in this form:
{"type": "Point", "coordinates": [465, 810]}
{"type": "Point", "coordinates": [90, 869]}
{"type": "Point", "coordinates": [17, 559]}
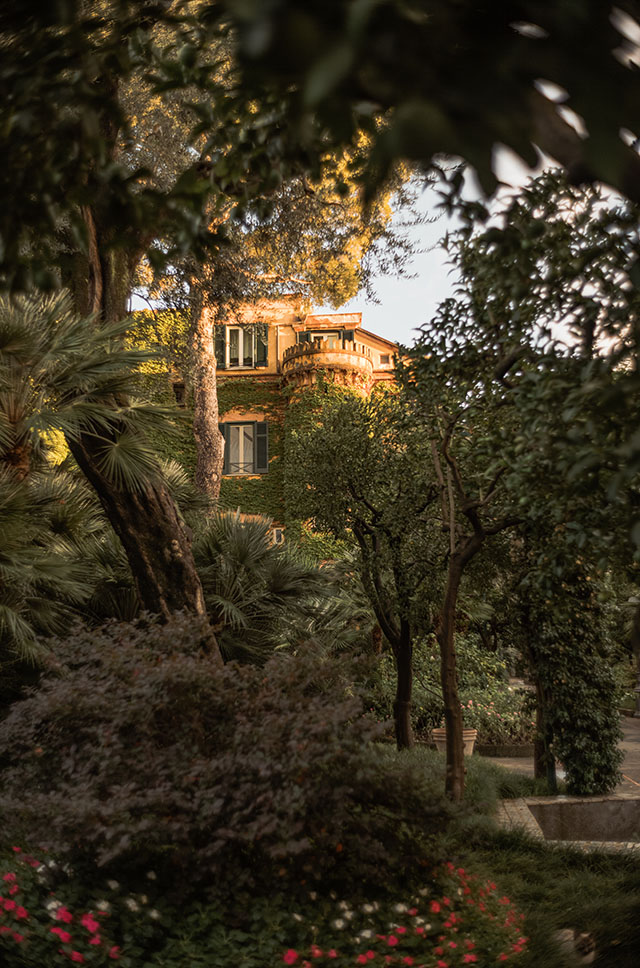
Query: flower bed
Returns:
{"type": "Point", "coordinates": [459, 920]}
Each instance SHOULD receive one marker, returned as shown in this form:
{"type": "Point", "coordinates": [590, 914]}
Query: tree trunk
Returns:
{"type": "Point", "coordinates": [146, 520]}
{"type": "Point", "coordinates": [446, 636]}
{"type": "Point", "coordinates": [403, 652]}
{"type": "Point", "coordinates": [209, 440]}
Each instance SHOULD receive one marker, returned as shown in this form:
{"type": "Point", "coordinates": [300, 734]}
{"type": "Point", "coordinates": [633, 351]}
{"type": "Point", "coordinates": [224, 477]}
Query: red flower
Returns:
{"type": "Point", "coordinates": [439, 950]}
{"type": "Point", "coordinates": [17, 849]}
{"type": "Point", "coordinates": [4, 929]}
{"type": "Point", "coordinates": [401, 930]}
{"type": "Point", "coordinates": [76, 956]}
{"type": "Point", "coordinates": [408, 960]}
{"type": "Point", "coordinates": [434, 907]}
{"type": "Point", "coordinates": [470, 958]}
{"type": "Point", "coordinates": [62, 914]}
{"type": "Point", "coordinates": [370, 954]}
{"type": "Point", "coordinates": [332, 953]}
{"type": "Point", "coordinates": [361, 960]}
{"type": "Point", "coordinates": [9, 905]}
{"type": "Point", "coordinates": [89, 922]}
{"type": "Point", "coordinates": [503, 957]}
{"type": "Point", "coordinates": [419, 930]}
{"type": "Point", "coordinates": [95, 940]}
{"type": "Point", "coordinates": [9, 877]}
{"type": "Point", "coordinates": [470, 944]}
{"type": "Point", "coordinates": [290, 956]}
{"type": "Point", "coordinates": [413, 912]}
{"type": "Point", "coordinates": [392, 942]}
{"type": "Point", "coordinates": [445, 900]}
{"type": "Point", "coordinates": [14, 889]}
{"type": "Point", "coordinates": [21, 913]}
{"type": "Point", "coordinates": [443, 964]}
{"type": "Point", "coordinates": [114, 952]}
{"type": "Point", "coordinates": [63, 935]}
{"type": "Point", "coordinates": [316, 952]}
{"type": "Point", "coordinates": [18, 937]}
{"type": "Point", "coordinates": [453, 944]}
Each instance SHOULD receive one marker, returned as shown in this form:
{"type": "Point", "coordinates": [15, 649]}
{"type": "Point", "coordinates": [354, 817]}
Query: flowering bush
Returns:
{"type": "Point", "coordinates": [47, 932]}
{"type": "Point", "coordinates": [49, 916]}
{"type": "Point", "coordinates": [501, 717]}
{"type": "Point", "coordinates": [459, 921]}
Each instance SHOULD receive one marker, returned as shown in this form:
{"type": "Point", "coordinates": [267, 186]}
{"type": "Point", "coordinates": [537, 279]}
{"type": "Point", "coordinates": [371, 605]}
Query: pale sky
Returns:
{"type": "Point", "coordinates": [405, 304]}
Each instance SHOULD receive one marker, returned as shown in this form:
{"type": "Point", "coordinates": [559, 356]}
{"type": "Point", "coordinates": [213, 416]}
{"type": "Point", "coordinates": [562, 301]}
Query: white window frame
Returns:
{"type": "Point", "coordinates": [245, 333]}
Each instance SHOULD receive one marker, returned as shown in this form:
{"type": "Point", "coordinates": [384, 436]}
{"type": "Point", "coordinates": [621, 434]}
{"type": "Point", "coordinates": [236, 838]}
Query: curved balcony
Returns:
{"type": "Point", "coordinates": [350, 365]}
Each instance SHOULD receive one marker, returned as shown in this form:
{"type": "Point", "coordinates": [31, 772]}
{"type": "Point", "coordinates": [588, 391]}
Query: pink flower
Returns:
{"type": "Point", "coordinates": [453, 944]}
{"type": "Point", "coordinates": [95, 940]}
{"type": "Point", "coordinates": [17, 849]}
{"type": "Point", "coordinates": [469, 958]}
{"type": "Point", "coordinates": [290, 956]}
{"type": "Point", "coordinates": [14, 889]}
{"type": "Point", "coordinates": [401, 930]}
{"type": "Point", "coordinates": [114, 952]}
{"type": "Point", "coordinates": [434, 907]}
{"type": "Point", "coordinates": [503, 957]}
{"type": "Point", "coordinates": [412, 912]}
{"type": "Point", "coordinates": [76, 956]}
{"type": "Point", "coordinates": [62, 914]}
{"type": "Point", "coordinates": [4, 929]}
{"type": "Point", "coordinates": [445, 900]}
{"type": "Point", "coordinates": [21, 913]}
{"type": "Point", "coordinates": [18, 937]}
{"type": "Point", "coordinates": [361, 960]}
{"type": "Point", "coordinates": [9, 877]}
{"type": "Point", "coordinates": [419, 930]}
{"type": "Point", "coordinates": [89, 922]}
{"type": "Point", "coordinates": [316, 952]}
{"type": "Point", "coordinates": [392, 940]}
{"type": "Point", "coordinates": [63, 935]}
{"type": "Point", "coordinates": [408, 960]}
{"type": "Point", "coordinates": [443, 964]}
{"type": "Point", "coordinates": [332, 953]}
{"type": "Point", "coordinates": [370, 954]}
{"type": "Point", "coordinates": [9, 905]}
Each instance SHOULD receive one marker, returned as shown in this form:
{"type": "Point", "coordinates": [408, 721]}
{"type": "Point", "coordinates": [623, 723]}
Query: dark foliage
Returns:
{"type": "Point", "coordinates": [138, 751]}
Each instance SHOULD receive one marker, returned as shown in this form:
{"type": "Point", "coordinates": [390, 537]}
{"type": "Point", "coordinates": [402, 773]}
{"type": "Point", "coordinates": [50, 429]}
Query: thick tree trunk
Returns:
{"type": "Point", "coordinates": [403, 652]}
{"type": "Point", "coordinates": [146, 520]}
{"type": "Point", "coordinates": [209, 440]}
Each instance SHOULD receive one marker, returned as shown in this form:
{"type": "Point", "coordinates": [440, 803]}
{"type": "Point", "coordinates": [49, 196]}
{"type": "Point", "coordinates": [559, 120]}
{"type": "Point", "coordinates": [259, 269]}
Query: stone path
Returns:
{"type": "Point", "coordinates": [630, 745]}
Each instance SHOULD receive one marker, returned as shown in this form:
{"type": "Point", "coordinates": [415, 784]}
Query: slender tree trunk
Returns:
{"type": "Point", "coordinates": [146, 520]}
{"type": "Point", "coordinates": [209, 440]}
{"type": "Point", "coordinates": [445, 634]}
{"type": "Point", "coordinates": [403, 652]}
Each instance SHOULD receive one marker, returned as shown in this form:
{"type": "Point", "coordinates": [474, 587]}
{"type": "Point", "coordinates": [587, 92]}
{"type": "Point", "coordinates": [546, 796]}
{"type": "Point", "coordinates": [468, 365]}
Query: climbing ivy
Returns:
{"type": "Point", "coordinates": [264, 493]}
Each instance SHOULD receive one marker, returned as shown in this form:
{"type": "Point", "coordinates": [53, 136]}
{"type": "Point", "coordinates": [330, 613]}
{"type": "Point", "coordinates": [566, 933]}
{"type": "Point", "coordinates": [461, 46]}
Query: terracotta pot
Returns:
{"type": "Point", "coordinates": [439, 737]}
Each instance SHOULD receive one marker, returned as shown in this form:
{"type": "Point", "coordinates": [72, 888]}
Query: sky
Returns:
{"type": "Point", "coordinates": [404, 304]}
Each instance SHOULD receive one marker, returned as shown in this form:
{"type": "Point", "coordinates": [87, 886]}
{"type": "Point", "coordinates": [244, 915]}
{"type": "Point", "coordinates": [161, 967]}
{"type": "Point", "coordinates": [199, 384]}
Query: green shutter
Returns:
{"type": "Point", "coordinates": [261, 439]}
{"type": "Point", "coordinates": [219, 340]}
{"type": "Point", "coordinates": [347, 336]}
{"type": "Point", "coordinates": [262, 344]}
{"type": "Point", "coordinates": [304, 337]}
{"type": "Point", "coordinates": [225, 462]}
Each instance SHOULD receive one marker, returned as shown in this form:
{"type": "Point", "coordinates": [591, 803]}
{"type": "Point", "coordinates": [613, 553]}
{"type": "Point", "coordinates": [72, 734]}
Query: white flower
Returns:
{"type": "Point", "coordinates": [103, 906]}
{"type": "Point", "coordinates": [348, 915]}
{"type": "Point", "coordinates": [368, 908]}
{"type": "Point", "coordinates": [339, 923]}
{"type": "Point", "coordinates": [132, 904]}
{"type": "Point", "coordinates": [297, 917]}
{"type": "Point", "coordinates": [152, 875]}
{"type": "Point", "coordinates": [400, 908]}
{"type": "Point", "coordinates": [367, 933]}
{"type": "Point", "coordinates": [344, 905]}
{"type": "Point", "coordinates": [113, 885]}
{"type": "Point", "coordinates": [154, 914]}
{"type": "Point", "coordinates": [423, 892]}
{"type": "Point", "coordinates": [333, 895]}
{"type": "Point", "coordinates": [313, 895]}
{"type": "Point", "coordinates": [143, 898]}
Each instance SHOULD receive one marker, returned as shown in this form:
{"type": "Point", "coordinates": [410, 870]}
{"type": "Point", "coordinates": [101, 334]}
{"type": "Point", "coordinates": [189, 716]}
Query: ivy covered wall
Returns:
{"type": "Point", "coordinates": [263, 493]}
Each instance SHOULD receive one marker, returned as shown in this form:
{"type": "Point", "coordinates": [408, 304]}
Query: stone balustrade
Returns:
{"type": "Point", "coordinates": [351, 364]}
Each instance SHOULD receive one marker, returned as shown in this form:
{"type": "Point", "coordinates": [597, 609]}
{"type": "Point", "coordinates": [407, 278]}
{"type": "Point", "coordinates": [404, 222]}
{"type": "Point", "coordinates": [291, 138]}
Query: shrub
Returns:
{"type": "Point", "coordinates": [138, 751]}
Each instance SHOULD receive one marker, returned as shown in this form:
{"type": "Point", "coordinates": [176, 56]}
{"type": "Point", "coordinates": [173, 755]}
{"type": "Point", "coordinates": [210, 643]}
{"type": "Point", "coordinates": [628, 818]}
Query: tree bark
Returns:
{"type": "Point", "coordinates": [146, 520]}
{"type": "Point", "coordinates": [446, 636]}
{"type": "Point", "coordinates": [403, 652]}
{"type": "Point", "coordinates": [209, 440]}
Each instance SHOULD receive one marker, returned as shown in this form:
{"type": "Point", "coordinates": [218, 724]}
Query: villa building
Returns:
{"type": "Point", "coordinates": [266, 358]}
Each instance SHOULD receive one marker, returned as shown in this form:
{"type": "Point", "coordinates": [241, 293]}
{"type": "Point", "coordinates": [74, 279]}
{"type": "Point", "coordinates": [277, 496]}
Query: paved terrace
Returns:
{"type": "Point", "coordinates": [630, 745]}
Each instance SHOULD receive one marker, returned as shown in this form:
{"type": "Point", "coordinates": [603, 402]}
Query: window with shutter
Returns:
{"type": "Point", "coordinates": [219, 345]}
{"type": "Point", "coordinates": [262, 344]}
{"type": "Point", "coordinates": [246, 448]}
